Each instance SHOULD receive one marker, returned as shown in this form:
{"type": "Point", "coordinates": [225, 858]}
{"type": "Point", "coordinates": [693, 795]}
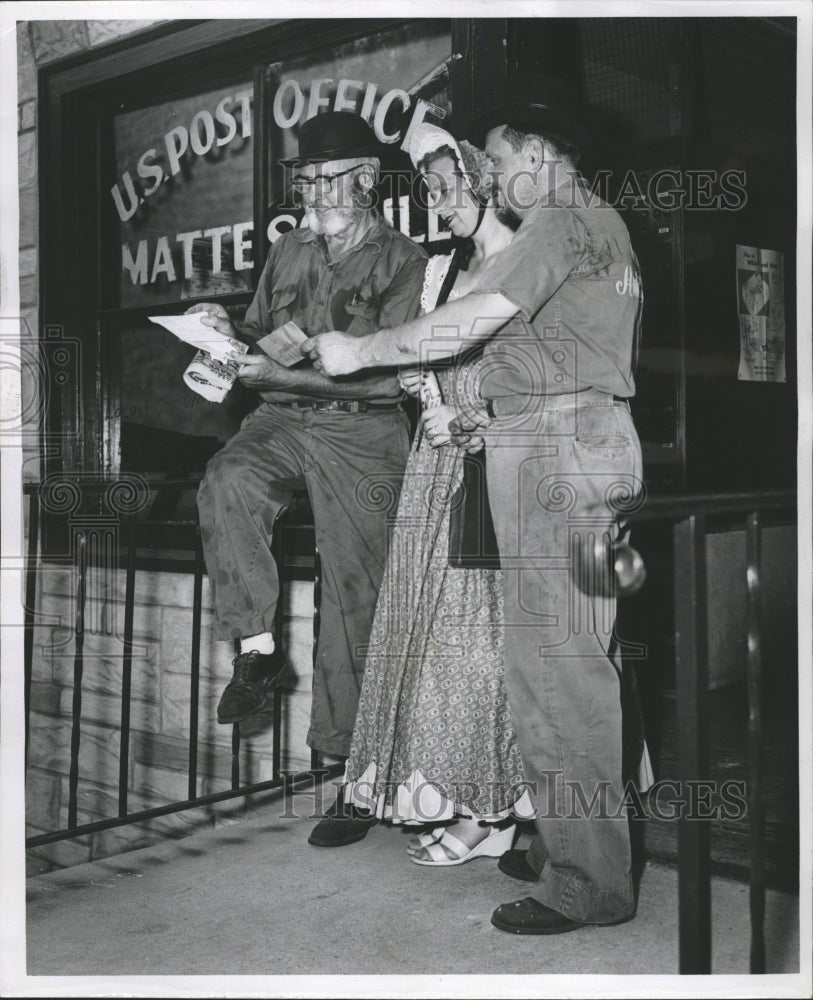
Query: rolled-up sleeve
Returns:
{"type": "Point", "coordinates": [527, 272]}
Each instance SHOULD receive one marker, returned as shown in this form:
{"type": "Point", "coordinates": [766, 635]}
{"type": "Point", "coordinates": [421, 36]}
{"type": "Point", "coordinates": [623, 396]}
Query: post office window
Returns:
{"type": "Point", "coordinates": [181, 203]}
{"type": "Point", "coordinates": [394, 79]}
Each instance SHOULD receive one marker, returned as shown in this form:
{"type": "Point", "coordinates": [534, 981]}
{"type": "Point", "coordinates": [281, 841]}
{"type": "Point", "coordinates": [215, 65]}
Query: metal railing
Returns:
{"type": "Point", "coordinates": [689, 516]}
{"type": "Point", "coordinates": [119, 534]}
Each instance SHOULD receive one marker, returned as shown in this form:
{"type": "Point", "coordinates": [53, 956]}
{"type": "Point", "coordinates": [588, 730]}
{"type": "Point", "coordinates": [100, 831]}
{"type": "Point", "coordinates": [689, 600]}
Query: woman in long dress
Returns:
{"type": "Point", "coordinates": [433, 740]}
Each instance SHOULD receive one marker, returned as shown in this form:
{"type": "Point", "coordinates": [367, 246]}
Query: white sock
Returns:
{"type": "Point", "coordinates": [262, 643]}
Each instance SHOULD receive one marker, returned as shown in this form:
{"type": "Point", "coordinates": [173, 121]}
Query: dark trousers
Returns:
{"type": "Point", "coordinates": [351, 465]}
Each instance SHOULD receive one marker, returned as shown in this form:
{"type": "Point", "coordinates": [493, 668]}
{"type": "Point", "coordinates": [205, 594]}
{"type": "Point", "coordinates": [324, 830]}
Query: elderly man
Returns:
{"type": "Point", "coordinates": [344, 440]}
{"type": "Point", "coordinates": [561, 306]}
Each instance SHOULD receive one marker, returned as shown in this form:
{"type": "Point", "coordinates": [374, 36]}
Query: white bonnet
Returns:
{"type": "Point", "coordinates": [427, 138]}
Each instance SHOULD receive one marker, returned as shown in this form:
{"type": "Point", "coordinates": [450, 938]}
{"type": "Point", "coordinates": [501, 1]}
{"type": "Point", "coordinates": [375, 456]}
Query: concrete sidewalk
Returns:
{"type": "Point", "coordinates": [253, 898]}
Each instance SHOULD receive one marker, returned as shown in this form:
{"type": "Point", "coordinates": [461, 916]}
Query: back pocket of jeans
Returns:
{"type": "Point", "coordinates": [599, 431]}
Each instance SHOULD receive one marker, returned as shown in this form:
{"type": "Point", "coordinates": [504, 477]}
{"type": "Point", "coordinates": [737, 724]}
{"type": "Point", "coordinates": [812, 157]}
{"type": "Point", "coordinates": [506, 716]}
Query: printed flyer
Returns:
{"type": "Point", "coordinates": [761, 305]}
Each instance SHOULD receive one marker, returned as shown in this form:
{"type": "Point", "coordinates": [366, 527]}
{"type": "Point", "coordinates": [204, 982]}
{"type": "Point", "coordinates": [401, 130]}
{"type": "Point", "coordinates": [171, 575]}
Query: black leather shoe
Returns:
{"type": "Point", "coordinates": [515, 864]}
{"type": "Point", "coordinates": [528, 916]}
{"type": "Point", "coordinates": [343, 824]}
{"type": "Point", "coordinates": [246, 694]}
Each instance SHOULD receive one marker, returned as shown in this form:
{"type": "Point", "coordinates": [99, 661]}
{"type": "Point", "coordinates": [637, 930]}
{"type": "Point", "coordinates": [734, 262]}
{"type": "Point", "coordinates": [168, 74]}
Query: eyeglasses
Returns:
{"type": "Point", "coordinates": [323, 183]}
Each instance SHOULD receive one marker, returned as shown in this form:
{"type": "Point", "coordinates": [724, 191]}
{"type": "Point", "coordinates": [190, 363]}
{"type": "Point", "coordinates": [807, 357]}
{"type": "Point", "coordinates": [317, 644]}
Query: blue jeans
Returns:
{"type": "Point", "coordinates": [559, 480]}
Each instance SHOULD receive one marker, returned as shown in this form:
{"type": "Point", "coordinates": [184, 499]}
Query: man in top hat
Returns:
{"type": "Point", "coordinates": [344, 440]}
{"type": "Point", "coordinates": [559, 309]}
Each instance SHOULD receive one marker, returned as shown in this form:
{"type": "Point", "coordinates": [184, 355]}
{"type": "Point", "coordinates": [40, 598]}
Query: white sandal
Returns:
{"type": "Point", "coordinates": [494, 845]}
{"type": "Point", "coordinates": [425, 840]}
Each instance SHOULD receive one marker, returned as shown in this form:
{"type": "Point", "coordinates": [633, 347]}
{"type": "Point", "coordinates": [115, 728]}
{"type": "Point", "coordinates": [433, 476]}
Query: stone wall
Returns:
{"type": "Point", "coordinates": [40, 43]}
{"type": "Point", "coordinates": [159, 713]}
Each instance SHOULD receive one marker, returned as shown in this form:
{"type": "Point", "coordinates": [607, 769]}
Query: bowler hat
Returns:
{"type": "Point", "coordinates": [335, 135]}
{"type": "Point", "coordinates": [531, 102]}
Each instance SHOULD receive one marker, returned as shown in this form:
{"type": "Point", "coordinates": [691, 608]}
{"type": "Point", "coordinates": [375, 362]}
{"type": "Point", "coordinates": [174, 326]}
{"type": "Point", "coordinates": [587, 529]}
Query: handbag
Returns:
{"type": "Point", "coordinates": [472, 542]}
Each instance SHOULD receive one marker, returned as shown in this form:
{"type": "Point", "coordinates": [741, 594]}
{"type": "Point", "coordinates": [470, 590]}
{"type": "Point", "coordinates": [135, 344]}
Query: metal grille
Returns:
{"type": "Point", "coordinates": [750, 84]}
{"type": "Point", "coordinates": [627, 74]}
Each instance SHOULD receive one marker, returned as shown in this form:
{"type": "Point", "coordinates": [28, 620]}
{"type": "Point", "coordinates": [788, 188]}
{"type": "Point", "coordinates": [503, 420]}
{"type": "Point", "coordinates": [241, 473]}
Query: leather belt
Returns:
{"type": "Point", "coordinates": [338, 405]}
{"type": "Point", "coordinates": [510, 406]}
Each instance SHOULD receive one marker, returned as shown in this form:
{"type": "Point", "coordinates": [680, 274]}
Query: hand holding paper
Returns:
{"type": "Point", "coordinates": [282, 345]}
{"type": "Point", "coordinates": [190, 329]}
{"type": "Point", "coordinates": [214, 368]}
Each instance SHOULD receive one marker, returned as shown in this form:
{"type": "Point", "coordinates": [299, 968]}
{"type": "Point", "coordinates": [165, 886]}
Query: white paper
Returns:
{"type": "Point", "coordinates": [189, 328]}
{"type": "Point", "coordinates": [282, 344]}
{"type": "Point", "coordinates": [761, 307]}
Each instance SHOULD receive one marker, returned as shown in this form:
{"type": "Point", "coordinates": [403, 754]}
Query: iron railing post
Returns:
{"type": "Point", "coordinates": [317, 596]}
{"type": "Point", "coordinates": [31, 569]}
{"type": "Point", "coordinates": [78, 670]}
{"type": "Point", "coordinates": [278, 552]}
{"type": "Point", "coordinates": [692, 681]}
{"type": "Point", "coordinates": [194, 667]}
{"type": "Point", "coordinates": [127, 666]}
{"type": "Point", "coordinates": [756, 804]}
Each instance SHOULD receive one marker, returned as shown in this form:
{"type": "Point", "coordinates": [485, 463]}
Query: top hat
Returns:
{"type": "Point", "coordinates": [534, 103]}
{"type": "Point", "coordinates": [335, 135]}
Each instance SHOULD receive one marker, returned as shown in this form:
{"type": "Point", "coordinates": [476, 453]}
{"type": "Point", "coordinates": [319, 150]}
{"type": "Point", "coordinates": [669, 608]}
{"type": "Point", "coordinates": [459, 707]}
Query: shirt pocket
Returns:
{"type": "Point", "coordinates": [363, 317]}
{"type": "Point", "coordinates": [282, 305]}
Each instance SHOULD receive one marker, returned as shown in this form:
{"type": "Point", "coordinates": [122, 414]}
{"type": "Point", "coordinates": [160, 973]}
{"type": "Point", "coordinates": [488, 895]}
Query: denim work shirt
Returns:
{"type": "Point", "coordinates": [572, 273]}
{"type": "Point", "coordinates": [376, 284]}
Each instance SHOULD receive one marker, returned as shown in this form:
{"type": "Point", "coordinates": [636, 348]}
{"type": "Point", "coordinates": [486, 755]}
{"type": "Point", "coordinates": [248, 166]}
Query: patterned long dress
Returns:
{"type": "Point", "coordinates": [433, 732]}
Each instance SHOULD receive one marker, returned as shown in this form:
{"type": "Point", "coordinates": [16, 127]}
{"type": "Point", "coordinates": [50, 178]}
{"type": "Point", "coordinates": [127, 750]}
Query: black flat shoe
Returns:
{"type": "Point", "coordinates": [343, 824]}
{"type": "Point", "coordinates": [528, 916]}
{"type": "Point", "coordinates": [515, 864]}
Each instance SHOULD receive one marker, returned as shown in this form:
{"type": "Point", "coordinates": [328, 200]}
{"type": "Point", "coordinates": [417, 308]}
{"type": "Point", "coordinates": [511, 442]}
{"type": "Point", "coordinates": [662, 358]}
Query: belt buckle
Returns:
{"type": "Point", "coordinates": [314, 405]}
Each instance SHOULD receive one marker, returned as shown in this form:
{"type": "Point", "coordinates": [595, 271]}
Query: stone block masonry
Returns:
{"type": "Point", "coordinates": [160, 713]}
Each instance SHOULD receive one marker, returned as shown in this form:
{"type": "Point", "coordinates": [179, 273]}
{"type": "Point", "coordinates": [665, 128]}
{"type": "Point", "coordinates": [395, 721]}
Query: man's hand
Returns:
{"type": "Point", "coordinates": [334, 353]}
{"type": "Point", "coordinates": [463, 430]}
{"type": "Point", "coordinates": [216, 317]}
{"type": "Point", "coordinates": [435, 423]}
{"type": "Point", "coordinates": [258, 371]}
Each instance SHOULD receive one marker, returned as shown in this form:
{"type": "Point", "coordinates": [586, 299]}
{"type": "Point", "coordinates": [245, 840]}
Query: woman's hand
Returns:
{"type": "Point", "coordinates": [435, 424]}
{"type": "Point", "coordinates": [475, 443]}
{"type": "Point", "coordinates": [465, 430]}
{"type": "Point", "coordinates": [410, 380]}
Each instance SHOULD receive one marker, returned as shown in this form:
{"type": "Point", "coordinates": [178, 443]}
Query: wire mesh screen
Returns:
{"type": "Point", "coordinates": [749, 66]}
{"type": "Point", "coordinates": [739, 71]}
{"type": "Point", "coordinates": [629, 82]}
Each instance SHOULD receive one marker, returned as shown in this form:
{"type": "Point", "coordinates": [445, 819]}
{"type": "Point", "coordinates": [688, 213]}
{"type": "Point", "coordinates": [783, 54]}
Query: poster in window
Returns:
{"type": "Point", "coordinates": [761, 306]}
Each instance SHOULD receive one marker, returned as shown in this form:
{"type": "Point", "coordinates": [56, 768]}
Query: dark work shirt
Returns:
{"type": "Point", "coordinates": [574, 278]}
{"type": "Point", "coordinates": [377, 284]}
